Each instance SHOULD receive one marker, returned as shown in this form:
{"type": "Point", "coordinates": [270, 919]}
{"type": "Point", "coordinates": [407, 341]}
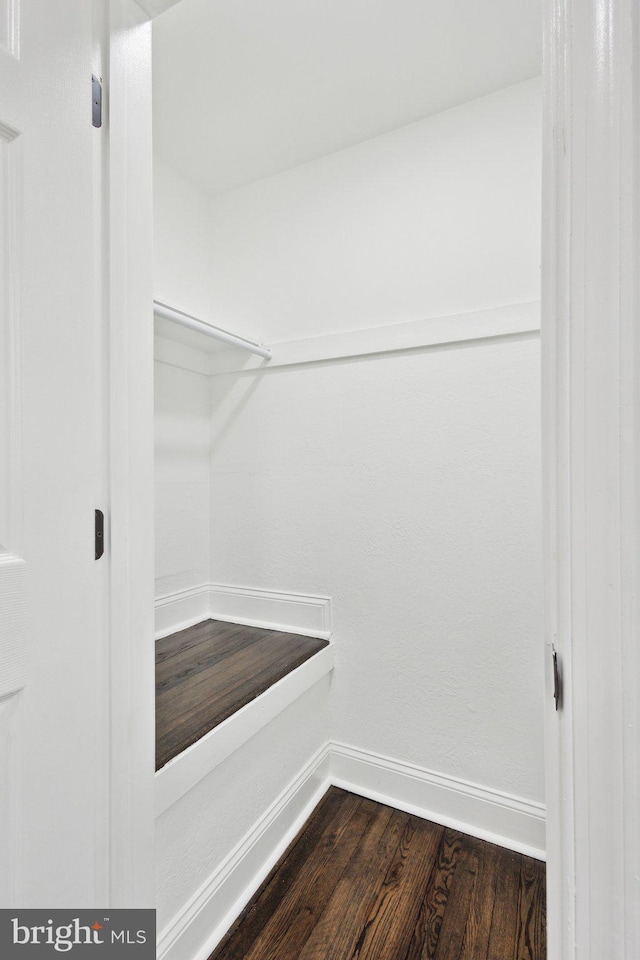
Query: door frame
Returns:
{"type": "Point", "coordinates": [129, 280]}
{"type": "Point", "coordinates": [591, 465]}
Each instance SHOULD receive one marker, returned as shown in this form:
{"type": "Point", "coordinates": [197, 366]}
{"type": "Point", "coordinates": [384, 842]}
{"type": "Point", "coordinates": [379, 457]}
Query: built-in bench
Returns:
{"type": "Point", "coordinates": [218, 683]}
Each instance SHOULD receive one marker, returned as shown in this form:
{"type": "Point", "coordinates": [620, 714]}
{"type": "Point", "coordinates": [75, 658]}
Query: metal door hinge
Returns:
{"type": "Point", "coordinates": [96, 101]}
{"type": "Point", "coordinates": [557, 679]}
{"type": "Point", "coordinates": [99, 533]}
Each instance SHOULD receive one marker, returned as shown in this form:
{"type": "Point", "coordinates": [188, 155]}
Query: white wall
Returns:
{"type": "Point", "coordinates": [436, 218]}
{"type": "Point", "coordinates": [406, 488]}
{"type": "Point", "coordinates": [181, 278]}
{"type": "Point", "coordinates": [182, 243]}
{"type": "Point", "coordinates": [181, 479]}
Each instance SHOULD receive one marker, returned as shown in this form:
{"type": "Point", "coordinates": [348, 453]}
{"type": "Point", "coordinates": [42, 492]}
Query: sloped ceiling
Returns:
{"type": "Point", "coordinates": [246, 88]}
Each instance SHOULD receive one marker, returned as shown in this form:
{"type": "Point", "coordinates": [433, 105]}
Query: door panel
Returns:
{"type": "Point", "coordinates": [53, 735]}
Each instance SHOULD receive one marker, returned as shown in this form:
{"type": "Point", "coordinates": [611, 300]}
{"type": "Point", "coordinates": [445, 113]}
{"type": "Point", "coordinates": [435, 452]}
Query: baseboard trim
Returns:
{"type": "Point", "coordinates": [305, 614]}
{"type": "Point", "coordinates": [499, 818]}
{"type": "Point", "coordinates": [200, 926]}
{"type": "Point", "coordinates": [181, 609]}
{"type": "Point", "coordinates": [301, 613]}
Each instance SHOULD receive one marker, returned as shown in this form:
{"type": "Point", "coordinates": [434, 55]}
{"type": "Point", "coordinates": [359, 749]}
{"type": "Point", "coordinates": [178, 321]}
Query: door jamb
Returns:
{"type": "Point", "coordinates": [591, 468]}
{"type": "Point", "coordinates": [131, 431]}
{"type": "Point", "coordinates": [131, 511]}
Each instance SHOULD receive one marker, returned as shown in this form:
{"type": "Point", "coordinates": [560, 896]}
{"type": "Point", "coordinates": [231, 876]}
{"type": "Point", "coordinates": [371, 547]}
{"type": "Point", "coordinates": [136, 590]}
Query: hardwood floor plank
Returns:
{"type": "Point", "coordinates": [393, 910]}
{"type": "Point", "coordinates": [184, 640]}
{"type": "Point", "coordinates": [366, 882]}
{"type": "Point", "coordinates": [285, 934]}
{"type": "Point", "coordinates": [272, 651]}
{"type": "Point", "coordinates": [236, 671]}
{"type": "Point", "coordinates": [336, 805]}
{"type": "Point", "coordinates": [188, 662]}
{"type": "Point", "coordinates": [208, 672]}
{"type": "Point", "coordinates": [475, 944]}
{"type": "Point", "coordinates": [340, 926]}
{"type": "Point", "coordinates": [459, 902]}
{"type": "Point", "coordinates": [426, 934]}
{"type": "Point", "coordinates": [181, 640]}
{"type": "Point", "coordinates": [504, 922]}
{"type": "Point", "coordinates": [531, 932]}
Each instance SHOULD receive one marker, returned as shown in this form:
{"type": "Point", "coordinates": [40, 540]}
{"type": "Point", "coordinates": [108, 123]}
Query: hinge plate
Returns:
{"type": "Point", "coordinates": [96, 101]}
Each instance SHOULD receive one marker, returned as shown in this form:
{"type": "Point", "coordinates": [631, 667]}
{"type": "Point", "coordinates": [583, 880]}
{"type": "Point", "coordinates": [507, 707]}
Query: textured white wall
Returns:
{"type": "Point", "coordinates": [436, 218]}
{"type": "Point", "coordinates": [404, 486]}
{"type": "Point", "coordinates": [181, 479]}
{"type": "Point", "coordinates": [182, 241]}
{"type": "Point", "coordinates": [181, 278]}
{"type": "Point", "coordinates": [407, 489]}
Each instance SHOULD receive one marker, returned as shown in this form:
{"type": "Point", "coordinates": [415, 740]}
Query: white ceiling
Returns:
{"type": "Point", "coordinates": [247, 88]}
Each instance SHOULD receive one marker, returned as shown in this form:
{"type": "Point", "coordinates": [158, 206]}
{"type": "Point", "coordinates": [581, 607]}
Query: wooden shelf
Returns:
{"type": "Point", "coordinates": [217, 684]}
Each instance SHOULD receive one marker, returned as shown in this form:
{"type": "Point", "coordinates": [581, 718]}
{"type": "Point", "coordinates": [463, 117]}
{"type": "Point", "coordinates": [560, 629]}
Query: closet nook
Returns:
{"type": "Point", "coordinates": [348, 555]}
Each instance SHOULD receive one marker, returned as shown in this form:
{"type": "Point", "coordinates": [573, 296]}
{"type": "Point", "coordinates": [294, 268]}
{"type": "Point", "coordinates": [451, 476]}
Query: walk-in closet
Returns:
{"type": "Point", "coordinates": [348, 605]}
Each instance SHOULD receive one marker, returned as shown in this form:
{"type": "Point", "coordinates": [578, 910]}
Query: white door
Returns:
{"type": "Point", "coordinates": [53, 709]}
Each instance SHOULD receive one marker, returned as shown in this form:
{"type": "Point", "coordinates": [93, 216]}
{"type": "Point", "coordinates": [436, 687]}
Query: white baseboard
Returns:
{"type": "Point", "coordinates": [479, 811]}
{"type": "Point", "coordinates": [305, 614]}
{"type": "Point", "coordinates": [182, 609]}
{"type": "Point", "coordinates": [300, 613]}
{"type": "Point", "coordinates": [500, 818]}
{"type": "Point", "coordinates": [195, 932]}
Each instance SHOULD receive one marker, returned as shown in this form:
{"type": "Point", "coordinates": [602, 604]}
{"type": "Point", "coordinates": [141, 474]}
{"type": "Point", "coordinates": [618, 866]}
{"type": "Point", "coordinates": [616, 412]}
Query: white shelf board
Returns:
{"type": "Point", "coordinates": [191, 338]}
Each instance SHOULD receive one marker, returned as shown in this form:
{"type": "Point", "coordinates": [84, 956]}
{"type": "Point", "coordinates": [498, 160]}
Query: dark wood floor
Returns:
{"type": "Point", "coordinates": [208, 672]}
{"type": "Point", "coordinates": [363, 881]}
